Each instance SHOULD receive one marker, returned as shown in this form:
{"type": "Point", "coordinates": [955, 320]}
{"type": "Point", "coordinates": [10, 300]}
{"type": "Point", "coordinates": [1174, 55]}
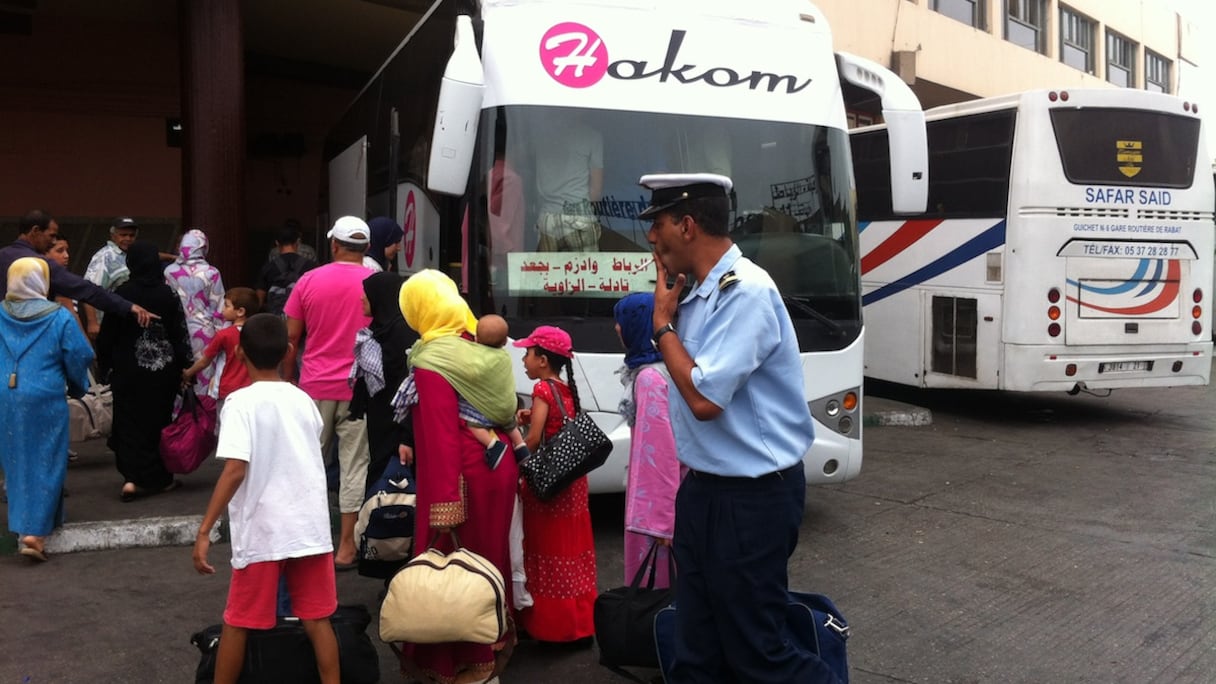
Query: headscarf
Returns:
{"type": "Point", "coordinates": [388, 326]}
{"type": "Point", "coordinates": [385, 232]}
{"type": "Point", "coordinates": [143, 261]}
{"type": "Point", "coordinates": [29, 283]}
{"type": "Point", "coordinates": [635, 314]}
{"type": "Point", "coordinates": [432, 306]}
{"type": "Point", "coordinates": [193, 247]}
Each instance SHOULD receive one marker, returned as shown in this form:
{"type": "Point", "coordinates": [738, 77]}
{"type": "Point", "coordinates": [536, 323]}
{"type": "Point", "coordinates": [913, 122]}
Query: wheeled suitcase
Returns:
{"type": "Point", "coordinates": [283, 653]}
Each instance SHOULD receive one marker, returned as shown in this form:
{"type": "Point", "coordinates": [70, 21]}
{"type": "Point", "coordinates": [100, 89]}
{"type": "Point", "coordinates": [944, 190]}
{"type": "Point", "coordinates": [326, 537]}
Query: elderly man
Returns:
{"type": "Point", "coordinates": [741, 421]}
{"type": "Point", "coordinates": [108, 267]}
{"type": "Point", "coordinates": [327, 304]}
{"type": "Point", "coordinates": [36, 232]}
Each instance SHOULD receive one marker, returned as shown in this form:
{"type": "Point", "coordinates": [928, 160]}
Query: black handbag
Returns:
{"type": "Point", "coordinates": [577, 449]}
{"type": "Point", "coordinates": [624, 618]}
{"type": "Point", "coordinates": [284, 654]}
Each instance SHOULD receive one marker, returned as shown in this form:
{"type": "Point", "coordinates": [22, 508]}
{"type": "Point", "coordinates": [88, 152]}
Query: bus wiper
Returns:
{"type": "Point", "coordinates": [809, 310]}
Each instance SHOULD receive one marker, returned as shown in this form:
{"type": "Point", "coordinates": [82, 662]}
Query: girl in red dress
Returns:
{"type": "Point", "coordinates": [559, 549]}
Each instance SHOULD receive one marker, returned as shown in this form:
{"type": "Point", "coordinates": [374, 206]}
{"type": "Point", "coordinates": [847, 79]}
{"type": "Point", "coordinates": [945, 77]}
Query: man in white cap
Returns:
{"type": "Point", "coordinates": [108, 267]}
{"type": "Point", "coordinates": [741, 421]}
{"type": "Point", "coordinates": [327, 304]}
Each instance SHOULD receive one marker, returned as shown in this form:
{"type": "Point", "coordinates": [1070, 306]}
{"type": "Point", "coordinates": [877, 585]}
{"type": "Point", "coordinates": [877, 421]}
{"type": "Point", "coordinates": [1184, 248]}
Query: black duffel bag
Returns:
{"type": "Point", "coordinates": [283, 654]}
{"type": "Point", "coordinates": [624, 618]}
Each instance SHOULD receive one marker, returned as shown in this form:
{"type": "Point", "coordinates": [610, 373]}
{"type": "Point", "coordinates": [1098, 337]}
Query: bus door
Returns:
{"type": "Point", "coordinates": [1131, 295]}
{"type": "Point", "coordinates": [962, 339]}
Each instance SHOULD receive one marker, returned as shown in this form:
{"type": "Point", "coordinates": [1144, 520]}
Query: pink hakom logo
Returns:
{"type": "Point", "coordinates": [411, 228]}
{"type": "Point", "coordinates": [574, 55]}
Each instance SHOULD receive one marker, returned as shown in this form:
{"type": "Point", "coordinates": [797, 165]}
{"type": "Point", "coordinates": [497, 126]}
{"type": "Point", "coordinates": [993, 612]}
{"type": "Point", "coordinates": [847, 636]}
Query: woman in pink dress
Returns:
{"type": "Point", "coordinates": [654, 473]}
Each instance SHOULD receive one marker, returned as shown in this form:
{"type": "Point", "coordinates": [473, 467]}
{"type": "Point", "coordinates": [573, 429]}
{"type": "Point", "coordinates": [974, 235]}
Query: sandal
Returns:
{"type": "Point", "coordinates": [34, 553]}
{"type": "Point", "coordinates": [129, 495]}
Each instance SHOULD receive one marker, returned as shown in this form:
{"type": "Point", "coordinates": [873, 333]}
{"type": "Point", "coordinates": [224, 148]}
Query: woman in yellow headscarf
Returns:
{"type": "Point", "coordinates": [41, 350]}
{"type": "Point", "coordinates": [456, 488]}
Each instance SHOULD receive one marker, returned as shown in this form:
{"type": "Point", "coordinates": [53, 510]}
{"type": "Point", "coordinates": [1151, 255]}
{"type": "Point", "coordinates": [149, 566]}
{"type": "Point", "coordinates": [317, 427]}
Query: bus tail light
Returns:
{"type": "Point", "coordinates": [1196, 327]}
{"type": "Point", "coordinates": [1070, 370]}
{"type": "Point", "coordinates": [1186, 106]}
{"type": "Point", "coordinates": [1063, 96]}
{"type": "Point", "coordinates": [1054, 329]}
{"type": "Point", "coordinates": [1053, 295]}
{"type": "Point", "coordinates": [1052, 96]}
{"type": "Point", "coordinates": [1197, 296]}
{"type": "Point", "coordinates": [1053, 313]}
{"type": "Point", "coordinates": [1196, 311]}
{"type": "Point", "coordinates": [850, 401]}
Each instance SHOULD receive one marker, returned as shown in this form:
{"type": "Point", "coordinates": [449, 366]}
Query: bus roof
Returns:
{"type": "Point", "coordinates": [1091, 97]}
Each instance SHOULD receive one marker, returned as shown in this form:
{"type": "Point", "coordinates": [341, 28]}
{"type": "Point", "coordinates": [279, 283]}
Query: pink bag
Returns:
{"type": "Point", "coordinates": [190, 438]}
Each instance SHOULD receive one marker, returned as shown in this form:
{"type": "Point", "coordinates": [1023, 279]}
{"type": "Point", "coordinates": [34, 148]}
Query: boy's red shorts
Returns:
{"type": "Point", "coordinates": [253, 592]}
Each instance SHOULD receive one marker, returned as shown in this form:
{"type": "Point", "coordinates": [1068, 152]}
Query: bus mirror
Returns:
{"type": "Point", "coordinates": [460, 97]}
{"type": "Point", "coordinates": [905, 120]}
{"type": "Point", "coordinates": [909, 160]}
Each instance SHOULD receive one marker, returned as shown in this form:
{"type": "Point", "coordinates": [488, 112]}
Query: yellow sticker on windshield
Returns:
{"type": "Point", "coordinates": [1129, 154]}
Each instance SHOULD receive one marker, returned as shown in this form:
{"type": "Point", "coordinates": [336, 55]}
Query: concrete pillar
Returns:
{"type": "Point", "coordinates": [213, 119]}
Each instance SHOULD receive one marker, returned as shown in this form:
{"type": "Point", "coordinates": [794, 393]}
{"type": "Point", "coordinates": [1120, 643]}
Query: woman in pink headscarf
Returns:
{"type": "Point", "coordinates": [199, 286]}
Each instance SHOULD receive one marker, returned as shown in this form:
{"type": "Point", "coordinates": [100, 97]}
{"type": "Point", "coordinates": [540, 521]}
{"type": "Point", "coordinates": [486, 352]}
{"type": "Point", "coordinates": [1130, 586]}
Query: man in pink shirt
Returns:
{"type": "Point", "coordinates": [327, 303]}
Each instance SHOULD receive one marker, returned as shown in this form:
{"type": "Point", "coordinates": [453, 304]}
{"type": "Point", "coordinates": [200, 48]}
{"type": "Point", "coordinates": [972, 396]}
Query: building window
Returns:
{"type": "Point", "coordinates": [1025, 25]}
{"type": "Point", "coordinates": [1076, 41]}
{"type": "Point", "coordinates": [1120, 60]}
{"type": "Point", "coordinates": [970, 12]}
{"type": "Point", "coordinates": [1156, 72]}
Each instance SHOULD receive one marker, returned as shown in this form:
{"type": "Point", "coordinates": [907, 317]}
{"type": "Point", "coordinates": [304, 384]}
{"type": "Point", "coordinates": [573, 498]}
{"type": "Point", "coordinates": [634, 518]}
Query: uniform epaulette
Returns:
{"type": "Point", "coordinates": [727, 280]}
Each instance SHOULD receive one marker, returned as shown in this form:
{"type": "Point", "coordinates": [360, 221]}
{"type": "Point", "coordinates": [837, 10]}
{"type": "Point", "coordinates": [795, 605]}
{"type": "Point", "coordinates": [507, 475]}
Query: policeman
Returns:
{"type": "Point", "coordinates": [742, 425]}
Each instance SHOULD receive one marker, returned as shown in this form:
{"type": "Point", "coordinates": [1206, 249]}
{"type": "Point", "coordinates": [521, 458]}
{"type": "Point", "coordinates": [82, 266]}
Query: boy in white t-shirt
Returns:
{"type": "Point", "coordinates": [273, 486]}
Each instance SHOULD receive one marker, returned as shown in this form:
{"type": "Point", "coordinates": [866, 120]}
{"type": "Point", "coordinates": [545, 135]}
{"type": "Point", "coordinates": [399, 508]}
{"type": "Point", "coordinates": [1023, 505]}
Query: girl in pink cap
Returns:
{"type": "Point", "coordinates": [559, 548]}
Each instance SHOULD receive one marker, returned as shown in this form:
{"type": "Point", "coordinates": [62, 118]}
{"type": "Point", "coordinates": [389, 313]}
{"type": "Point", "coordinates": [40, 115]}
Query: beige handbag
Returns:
{"type": "Point", "coordinates": [438, 598]}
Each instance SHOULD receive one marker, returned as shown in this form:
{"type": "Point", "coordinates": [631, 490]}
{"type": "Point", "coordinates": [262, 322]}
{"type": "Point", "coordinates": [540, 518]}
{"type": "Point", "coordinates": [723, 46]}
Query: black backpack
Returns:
{"type": "Point", "coordinates": [280, 290]}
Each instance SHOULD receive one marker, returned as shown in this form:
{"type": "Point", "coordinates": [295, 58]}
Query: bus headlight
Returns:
{"type": "Point", "coordinates": [838, 412]}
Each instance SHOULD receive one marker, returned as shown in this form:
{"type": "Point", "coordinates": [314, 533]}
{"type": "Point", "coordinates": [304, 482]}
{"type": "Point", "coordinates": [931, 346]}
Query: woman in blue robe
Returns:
{"type": "Point", "coordinates": [41, 350]}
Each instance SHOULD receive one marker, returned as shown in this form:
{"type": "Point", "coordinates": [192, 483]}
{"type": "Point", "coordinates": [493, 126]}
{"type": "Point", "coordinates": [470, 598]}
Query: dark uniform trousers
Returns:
{"type": "Point", "coordinates": [733, 540]}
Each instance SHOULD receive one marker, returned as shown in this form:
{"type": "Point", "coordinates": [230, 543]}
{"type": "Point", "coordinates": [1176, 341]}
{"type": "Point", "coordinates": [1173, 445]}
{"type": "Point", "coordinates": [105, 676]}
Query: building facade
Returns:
{"type": "Point", "coordinates": [955, 50]}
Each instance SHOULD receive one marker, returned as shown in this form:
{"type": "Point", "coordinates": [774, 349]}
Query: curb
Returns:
{"type": "Point", "coordinates": [104, 535]}
{"type": "Point", "coordinates": [911, 417]}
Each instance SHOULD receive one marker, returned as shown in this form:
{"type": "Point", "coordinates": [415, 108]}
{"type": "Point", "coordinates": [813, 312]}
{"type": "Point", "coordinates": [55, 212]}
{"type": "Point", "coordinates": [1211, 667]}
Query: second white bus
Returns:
{"type": "Point", "coordinates": [1068, 245]}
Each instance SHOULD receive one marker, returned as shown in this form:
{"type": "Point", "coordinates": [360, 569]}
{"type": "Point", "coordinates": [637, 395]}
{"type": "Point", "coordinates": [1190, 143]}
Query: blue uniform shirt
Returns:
{"type": "Point", "coordinates": [743, 342]}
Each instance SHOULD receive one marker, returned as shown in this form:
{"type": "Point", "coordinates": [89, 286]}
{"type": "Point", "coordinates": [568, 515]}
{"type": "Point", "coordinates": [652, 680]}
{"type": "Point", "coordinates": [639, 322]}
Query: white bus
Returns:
{"type": "Point", "coordinates": [1067, 245]}
{"type": "Point", "coordinates": [550, 111]}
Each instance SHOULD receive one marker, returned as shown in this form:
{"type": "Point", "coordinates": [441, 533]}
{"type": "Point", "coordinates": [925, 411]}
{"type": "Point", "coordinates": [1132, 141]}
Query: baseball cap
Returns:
{"type": "Point", "coordinates": [350, 229]}
{"type": "Point", "coordinates": [124, 222]}
{"type": "Point", "coordinates": [549, 338]}
{"type": "Point", "coordinates": [669, 189]}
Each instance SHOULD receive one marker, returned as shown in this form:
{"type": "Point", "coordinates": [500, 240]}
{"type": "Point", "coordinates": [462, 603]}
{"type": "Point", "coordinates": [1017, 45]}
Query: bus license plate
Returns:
{"type": "Point", "coordinates": [1124, 366]}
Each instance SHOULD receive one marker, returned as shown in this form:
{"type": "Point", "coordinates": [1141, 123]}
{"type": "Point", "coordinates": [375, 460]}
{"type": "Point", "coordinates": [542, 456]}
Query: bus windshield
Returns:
{"type": "Point", "coordinates": [1115, 146]}
{"type": "Point", "coordinates": [558, 200]}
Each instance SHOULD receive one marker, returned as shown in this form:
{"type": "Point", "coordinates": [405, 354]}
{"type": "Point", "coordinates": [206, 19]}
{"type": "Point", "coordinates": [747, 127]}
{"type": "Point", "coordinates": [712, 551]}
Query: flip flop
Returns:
{"type": "Point", "coordinates": [34, 554]}
{"type": "Point", "coordinates": [139, 492]}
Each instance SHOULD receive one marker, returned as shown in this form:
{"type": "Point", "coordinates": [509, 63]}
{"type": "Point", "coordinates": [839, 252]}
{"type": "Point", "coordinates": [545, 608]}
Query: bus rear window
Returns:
{"type": "Point", "coordinates": [1126, 147]}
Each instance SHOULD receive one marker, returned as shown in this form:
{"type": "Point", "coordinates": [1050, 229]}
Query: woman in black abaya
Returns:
{"type": "Point", "coordinates": [144, 366]}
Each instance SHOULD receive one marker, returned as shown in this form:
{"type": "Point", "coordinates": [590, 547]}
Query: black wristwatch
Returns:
{"type": "Point", "coordinates": [654, 339]}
